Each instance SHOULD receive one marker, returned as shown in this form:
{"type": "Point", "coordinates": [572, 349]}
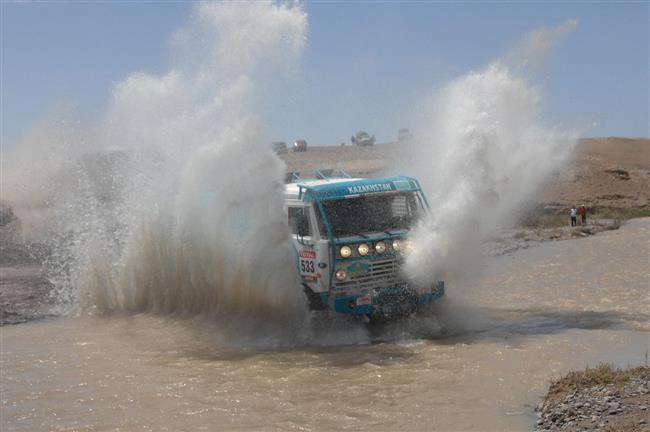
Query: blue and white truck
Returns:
{"type": "Point", "coordinates": [351, 237]}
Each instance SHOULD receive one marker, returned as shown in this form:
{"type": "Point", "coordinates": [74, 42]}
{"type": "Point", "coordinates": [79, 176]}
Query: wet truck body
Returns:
{"type": "Point", "coordinates": [351, 237]}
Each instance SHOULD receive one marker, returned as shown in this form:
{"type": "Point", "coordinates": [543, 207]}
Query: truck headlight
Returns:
{"type": "Point", "coordinates": [341, 274]}
{"type": "Point", "coordinates": [404, 245]}
{"type": "Point", "coordinates": [380, 247]}
{"type": "Point", "coordinates": [363, 249]}
{"type": "Point", "coordinates": [345, 251]}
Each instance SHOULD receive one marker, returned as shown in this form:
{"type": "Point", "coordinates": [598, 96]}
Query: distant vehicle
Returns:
{"type": "Point", "coordinates": [363, 138]}
{"type": "Point", "coordinates": [300, 145]}
{"type": "Point", "coordinates": [279, 147]}
{"type": "Point", "coordinates": [404, 136]}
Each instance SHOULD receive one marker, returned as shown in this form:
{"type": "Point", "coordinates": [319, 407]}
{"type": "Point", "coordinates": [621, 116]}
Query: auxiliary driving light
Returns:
{"type": "Point", "coordinates": [345, 251]}
{"type": "Point", "coordinates": [363, 249]}
{"type": "Point", "coordinates": [341, 274]}
{"type": "Point", "coordinates": [397, 245]}
{"type": "Point", "coordinates": [380, 247]}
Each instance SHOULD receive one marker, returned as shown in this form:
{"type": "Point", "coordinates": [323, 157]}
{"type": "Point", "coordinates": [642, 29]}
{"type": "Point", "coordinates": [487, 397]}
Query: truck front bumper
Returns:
{"type": "Point", "coordinates": [390, 302]}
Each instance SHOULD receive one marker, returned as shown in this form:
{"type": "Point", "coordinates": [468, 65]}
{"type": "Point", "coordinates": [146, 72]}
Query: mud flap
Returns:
{"type": "Point", "coordinates": [314, 300]}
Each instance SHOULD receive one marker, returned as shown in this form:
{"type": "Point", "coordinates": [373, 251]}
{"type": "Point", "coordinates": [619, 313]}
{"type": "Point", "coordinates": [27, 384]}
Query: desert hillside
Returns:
{"type": "Point", "coordinates": [603, 172]}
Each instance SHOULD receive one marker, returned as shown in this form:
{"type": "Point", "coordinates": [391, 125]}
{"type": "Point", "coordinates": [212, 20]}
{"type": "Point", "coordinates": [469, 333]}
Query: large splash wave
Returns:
{"type": "Point", "coordinates": [485, 150]}
{"type": "Point", "coordinates": [171, 201]}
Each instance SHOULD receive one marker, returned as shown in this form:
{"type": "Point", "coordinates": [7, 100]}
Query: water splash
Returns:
{"type": "Point", "coordinates": [171, 201]}
{"type": "Point", "coordinates": [486, 151]}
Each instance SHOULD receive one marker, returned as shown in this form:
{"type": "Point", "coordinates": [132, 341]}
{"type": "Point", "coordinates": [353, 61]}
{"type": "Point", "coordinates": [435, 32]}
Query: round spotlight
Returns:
{"type": "Point", "coordinates": [363, 249]}
{"type": "Point", "coordinates": [397, 245]}
{"type": "Point", "coordinates": [380, 247]}
{"type": "Point", "coordinates": [341, 274]}
{"type": "Point", "coordinates": [345, 251]}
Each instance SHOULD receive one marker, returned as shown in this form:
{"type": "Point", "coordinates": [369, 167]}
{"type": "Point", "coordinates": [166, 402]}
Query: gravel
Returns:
{"type": "Point", "coordinates": [606, 408]}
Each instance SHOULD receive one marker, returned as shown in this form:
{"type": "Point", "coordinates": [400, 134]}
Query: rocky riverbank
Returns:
{"type": "Point", "coordinates": [523, 237]}
{"type": "Point", "coordinates": [25, 294]}
{"type": "Point", "coordinates": [25, 291]}
{"type": "Point", "coordinates": [598, 399]}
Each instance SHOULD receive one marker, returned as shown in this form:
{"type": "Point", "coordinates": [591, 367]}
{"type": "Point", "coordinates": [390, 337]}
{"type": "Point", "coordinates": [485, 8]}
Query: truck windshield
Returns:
{"type": "Point", "coordinates": [371, 213]}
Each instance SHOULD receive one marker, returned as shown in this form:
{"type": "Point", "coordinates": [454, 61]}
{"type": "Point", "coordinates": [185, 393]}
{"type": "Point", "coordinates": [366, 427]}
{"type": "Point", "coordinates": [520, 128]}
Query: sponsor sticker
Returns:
{"type": "Point", "coordinates": [365, 300]}
{"type": "Point", "coordinates": [307, 253]}
{"type": "Point", "coordinates": [377, 187]}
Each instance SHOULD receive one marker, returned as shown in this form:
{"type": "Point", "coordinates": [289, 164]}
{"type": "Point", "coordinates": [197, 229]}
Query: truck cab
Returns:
{"type": "Point", "coordinates": [351, 237]}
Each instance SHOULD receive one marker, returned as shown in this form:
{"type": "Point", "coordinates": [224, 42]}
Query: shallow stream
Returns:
{"type": "Point", "coordinates": [481, 360]}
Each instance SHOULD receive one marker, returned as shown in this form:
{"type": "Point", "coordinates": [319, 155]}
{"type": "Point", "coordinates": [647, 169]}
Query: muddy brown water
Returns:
{"type": "Point", "coordinates": [481, 360]}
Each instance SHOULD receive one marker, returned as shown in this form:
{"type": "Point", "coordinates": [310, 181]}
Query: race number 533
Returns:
{"type": "Point", "coordinates": [307, 266]}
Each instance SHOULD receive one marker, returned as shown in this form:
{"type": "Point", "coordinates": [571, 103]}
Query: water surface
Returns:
{"type": "Point", "coordinates": [481, 360]}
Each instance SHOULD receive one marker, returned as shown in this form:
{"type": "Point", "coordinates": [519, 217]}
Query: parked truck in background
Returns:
{"type": "Point", "coordinates": [363, 138]}
{"type": "Point", "coordinates": [300, 145]}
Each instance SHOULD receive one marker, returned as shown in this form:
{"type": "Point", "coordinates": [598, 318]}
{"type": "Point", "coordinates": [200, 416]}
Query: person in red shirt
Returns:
{"type": "Point", "coordinates": [583, 214]}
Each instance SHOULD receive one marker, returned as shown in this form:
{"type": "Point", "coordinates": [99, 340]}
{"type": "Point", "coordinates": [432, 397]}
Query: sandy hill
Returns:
{"type": "Point", "coordinates": [608, 172]}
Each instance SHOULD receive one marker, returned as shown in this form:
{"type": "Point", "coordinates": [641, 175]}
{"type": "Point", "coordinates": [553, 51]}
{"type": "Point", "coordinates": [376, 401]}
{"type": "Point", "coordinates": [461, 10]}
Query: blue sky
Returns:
{"type": "Point", "coordinates": [366, 65]}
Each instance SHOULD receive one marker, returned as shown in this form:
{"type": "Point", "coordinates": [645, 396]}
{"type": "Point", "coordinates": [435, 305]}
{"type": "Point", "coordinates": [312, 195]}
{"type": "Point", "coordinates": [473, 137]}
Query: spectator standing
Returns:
{"type": "Point", "coordinates": [574, 215]}
{"type": "Point", "coordinates": [583, 215]}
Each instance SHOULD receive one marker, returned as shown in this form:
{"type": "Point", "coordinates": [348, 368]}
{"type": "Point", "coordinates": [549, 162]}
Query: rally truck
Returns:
{"type": "Point", "coordinates": [351, 237]}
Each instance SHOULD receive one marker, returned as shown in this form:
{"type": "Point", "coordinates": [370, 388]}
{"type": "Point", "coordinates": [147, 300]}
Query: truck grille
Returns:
{"type": "Point", "coordinates": [381, 274]}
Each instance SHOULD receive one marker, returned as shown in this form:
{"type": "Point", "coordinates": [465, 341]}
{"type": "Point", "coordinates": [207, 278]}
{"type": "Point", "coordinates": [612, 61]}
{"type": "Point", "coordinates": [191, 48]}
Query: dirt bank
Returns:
{"type": "Point", "coordinates": [603, 172]}
{"type": "Point", "coordinates": [598, 399]}
{"type": "Point", "coordinates": [507, 241]}
{"type": "Point", "coordinates": [24, 294]}
{"type": "Point", "coordinates": [24, 288]}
